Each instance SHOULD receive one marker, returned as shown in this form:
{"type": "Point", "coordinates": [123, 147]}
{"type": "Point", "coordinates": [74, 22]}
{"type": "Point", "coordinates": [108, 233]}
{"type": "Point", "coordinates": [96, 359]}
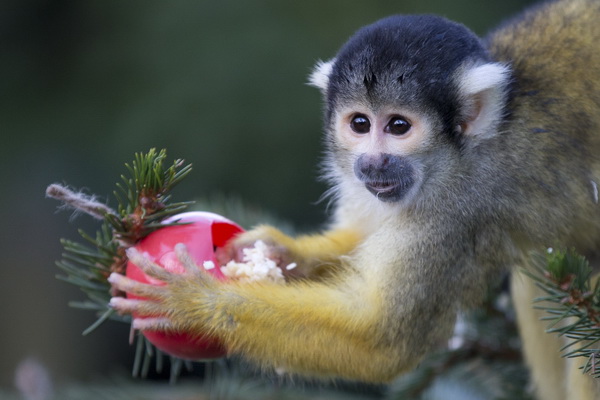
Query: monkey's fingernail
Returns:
{"type": "Point", "coordinates": [113, 278]}
{"type": "Point", "coordinates": [115, 302]}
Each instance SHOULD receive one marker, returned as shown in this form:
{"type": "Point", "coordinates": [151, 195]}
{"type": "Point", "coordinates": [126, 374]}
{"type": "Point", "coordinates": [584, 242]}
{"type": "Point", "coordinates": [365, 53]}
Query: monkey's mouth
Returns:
{"type": "Point", "coordinates": [387, 191]}
{"type": "Point", "coordinates": [381, 187]}
{"type": "Point", "coordinates": [387, 177]}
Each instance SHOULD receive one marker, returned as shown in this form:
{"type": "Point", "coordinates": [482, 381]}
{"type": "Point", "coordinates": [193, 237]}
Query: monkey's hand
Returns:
{"type": "Point", "coordinates": [311, 253]}
{"type": "Point", "coordinates": [156, 309]}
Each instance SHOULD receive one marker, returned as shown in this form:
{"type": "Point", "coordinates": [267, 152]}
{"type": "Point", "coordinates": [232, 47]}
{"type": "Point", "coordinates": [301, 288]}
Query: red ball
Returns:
{"type": "Point", "coordinates": [202, 235]}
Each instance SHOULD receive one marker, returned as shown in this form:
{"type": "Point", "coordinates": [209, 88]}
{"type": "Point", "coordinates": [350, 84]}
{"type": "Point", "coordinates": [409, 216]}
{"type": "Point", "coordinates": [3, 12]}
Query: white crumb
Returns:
{"type": "Point", "coordinates": [291, 266]}
{"type": "Point", "coordinates": [208, 265]}
{"type": "Point", "coordinates": [255, 266]}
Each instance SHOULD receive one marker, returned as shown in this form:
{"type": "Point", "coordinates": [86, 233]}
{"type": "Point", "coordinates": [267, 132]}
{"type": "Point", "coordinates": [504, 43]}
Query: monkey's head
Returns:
{"type": "Point", "coordinates": [404, 98]}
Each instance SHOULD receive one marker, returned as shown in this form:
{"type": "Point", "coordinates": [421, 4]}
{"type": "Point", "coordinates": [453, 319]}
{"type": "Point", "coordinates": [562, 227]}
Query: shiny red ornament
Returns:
{"type": "Point", "coordinates": [202, 233]}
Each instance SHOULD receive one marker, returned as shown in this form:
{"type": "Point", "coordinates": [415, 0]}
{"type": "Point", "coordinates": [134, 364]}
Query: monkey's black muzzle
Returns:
{"type": "Point", "coordinates": [386, 176]}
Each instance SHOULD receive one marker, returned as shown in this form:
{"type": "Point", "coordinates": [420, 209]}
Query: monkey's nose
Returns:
{"type": "Point", "coordinates": [369, 164]}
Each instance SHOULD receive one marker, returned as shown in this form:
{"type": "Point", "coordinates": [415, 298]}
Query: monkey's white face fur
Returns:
{"type": "Point", "coordinates": [378, 138]}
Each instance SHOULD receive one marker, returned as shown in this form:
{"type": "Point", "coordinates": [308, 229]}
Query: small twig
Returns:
{"type": "Point", "coordinates": [79, 201]}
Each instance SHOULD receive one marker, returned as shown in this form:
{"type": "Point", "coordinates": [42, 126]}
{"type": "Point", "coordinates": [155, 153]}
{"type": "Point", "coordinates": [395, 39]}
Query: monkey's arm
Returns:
{"type": "Point", "coordinates": [369, 324]}
{"type": "Point", "coordinates": [310, 252]}
{"type": "Point", "coordinates": [308, 327]}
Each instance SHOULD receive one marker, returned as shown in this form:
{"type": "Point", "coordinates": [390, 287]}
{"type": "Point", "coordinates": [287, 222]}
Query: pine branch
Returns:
{"type": "Point", "coordinates": [572, 304]}
{"type": "Point", "coordinates": [146, 194]}
{"type": "Point", "coordinates": [142, 204]}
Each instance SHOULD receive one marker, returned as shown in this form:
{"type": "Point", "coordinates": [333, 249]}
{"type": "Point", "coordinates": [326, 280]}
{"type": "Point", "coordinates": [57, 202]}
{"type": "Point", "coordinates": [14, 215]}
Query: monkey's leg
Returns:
{"type": "Point", "coordinates": [541, 350]}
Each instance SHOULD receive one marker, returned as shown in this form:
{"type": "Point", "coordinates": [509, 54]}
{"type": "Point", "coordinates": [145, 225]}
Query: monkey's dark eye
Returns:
{"type": "Point", "coordinates": [360, 124]}
{"type": "Point", "coordinates": [398, 126]}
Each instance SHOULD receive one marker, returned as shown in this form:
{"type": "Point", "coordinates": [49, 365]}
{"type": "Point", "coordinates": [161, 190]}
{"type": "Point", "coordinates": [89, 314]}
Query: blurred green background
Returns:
{"type": "Point", "coordinates": [85, 84]}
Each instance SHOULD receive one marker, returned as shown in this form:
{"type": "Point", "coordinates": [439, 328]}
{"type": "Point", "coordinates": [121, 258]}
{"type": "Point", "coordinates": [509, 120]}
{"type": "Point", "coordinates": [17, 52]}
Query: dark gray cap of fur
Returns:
{"type": "Point", "coordinates": [407, 60]}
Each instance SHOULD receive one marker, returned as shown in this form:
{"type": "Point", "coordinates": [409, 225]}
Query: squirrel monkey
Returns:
{"type": "Point", "coordinates": [450, 159]}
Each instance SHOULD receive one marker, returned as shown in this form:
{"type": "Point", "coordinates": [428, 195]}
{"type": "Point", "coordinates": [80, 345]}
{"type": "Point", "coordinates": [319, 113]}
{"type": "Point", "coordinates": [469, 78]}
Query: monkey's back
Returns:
{"type": "Point", "coordinates": [555, 45]}
{"type": "Point", "coordinates": [553, 116]}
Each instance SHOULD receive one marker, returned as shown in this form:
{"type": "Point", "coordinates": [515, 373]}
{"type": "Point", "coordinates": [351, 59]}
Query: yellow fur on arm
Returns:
{"type": "Point", "coordinates": [313, 254]}
{"type": "Point", "coordinates": [306, 327]}
{"type": "Point", "coordinates": [326, 247]}
{"type": "Point", "coordinates": [329, 245]}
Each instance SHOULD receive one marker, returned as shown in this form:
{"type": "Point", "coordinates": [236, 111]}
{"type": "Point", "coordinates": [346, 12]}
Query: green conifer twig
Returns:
{"type": "Point", "coordinates": [572, 304]}
{"type": "Point", "coordinates": [142, 204]}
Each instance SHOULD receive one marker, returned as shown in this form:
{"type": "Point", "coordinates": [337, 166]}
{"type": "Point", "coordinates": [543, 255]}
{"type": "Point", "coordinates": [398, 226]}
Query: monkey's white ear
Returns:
{"type": "Point", "coordinates": [483, 89]}
{"type": "Point", "coordinates": [319, 77]}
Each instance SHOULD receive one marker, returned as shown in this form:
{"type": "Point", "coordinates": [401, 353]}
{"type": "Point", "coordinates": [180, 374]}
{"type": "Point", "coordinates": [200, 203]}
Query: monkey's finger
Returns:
{"type": "Point", "coordinates": [190, 265]}
{"type": "Point", "coordinates": [141, 307]}
{"type": "Point", "coordinates": [147, 265]}
{"type": "Point", "coordinates": [153, 324]}
{"type": "Point", "coordinates": [186, 260]}
{"type": "Point", "coordinates": [128, 285]}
